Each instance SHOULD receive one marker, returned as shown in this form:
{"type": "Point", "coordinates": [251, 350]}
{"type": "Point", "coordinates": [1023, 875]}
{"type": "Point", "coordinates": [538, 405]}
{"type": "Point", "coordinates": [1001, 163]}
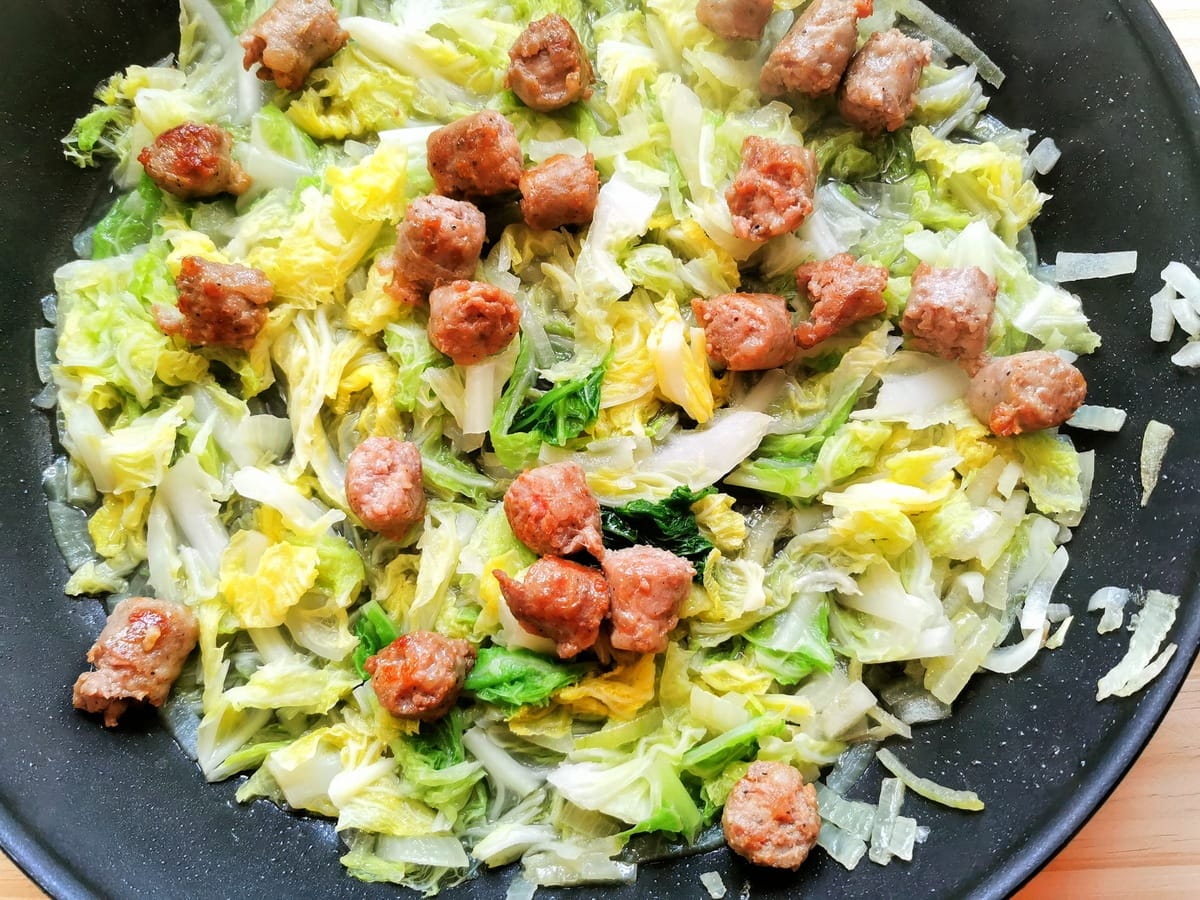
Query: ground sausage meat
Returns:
{"type": "Point", "coordinates": [383, 485]}
{"type": "Point", "coordinates": [420, 674]}
{"type": "Point", "coordinates": [747, 332]}
{"type": "Point", "coordinates": [560, 191]}
{"type": "Point", "coordinates": [560, 600]}
{"type": "Point", "coordinates": [1026, 392]}
{"type": "Point", "coordinates": [471, 320]}
{"type": "Point", "coordinates": [949, 311]}
{"type": "Point", "coordinates": [548, 67]}
{"type": "Point", "coordinates": [138, 655]}
{"type": "Point", "coordinates": [880, 87]}
{"type": "Point", "coordinates": [553, 512]}
{"type": "Point", "coordinates": [439, 241]}
{"type": "Point", "coordinates": [648, 588]}
{"type": "Point", "coordinates": [476, 156]}
{"type": "Point", "coordinates": [290, 39]}
{"type": "Point", "coordinates": [772, 193]}
{"type": "Point", "coordinates": [735, 19]}
{"type": "Point", "coordinates": [814, 53]}
{"type": "Point", "coordinates": [771, 816]}
{"type": "Point", "coordinates": [193, 162]}
{"type": "Point", "coordinates": [220, 305]}
{"type": "Point", "coordinates": [842, 292]}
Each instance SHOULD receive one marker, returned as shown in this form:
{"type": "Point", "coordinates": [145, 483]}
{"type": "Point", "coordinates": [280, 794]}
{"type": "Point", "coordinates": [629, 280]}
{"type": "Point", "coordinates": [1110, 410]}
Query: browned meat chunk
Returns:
{"type": "Point", "coordinates": [138, 655]}
{"type": "Point", "coordinates": [220, 305]}
{"type": "Point", "coordinates": [420, 674]}
{"type": "Point", "coordinates": [772, 192]}
{"type": "Point", "coordinates": [561, 191]}
{"type": "Point", "coordinates": [648, 588]}
{"type": "Point", "coordinates": [735, 19]}
{"type": "Point", "coordinates": [814, 53]}
{"type": "Point", "coordinates": [193, 161]}
{"type": "Point", "coordinates": [842, 292]}
{"type": "Point", "coordinates": [560, 600]}
{"type": "Point", "coordinates": [949, 311]}
{"type": "Point", "coordinates": [471, 320]}
{"type": "Point", "coordinates": [384, 487]}
{"type": "Point", "coordinates": [549, 68]}
{"type": "Point", "coordinates": [1026, 392]}
{"type": "Point", "coordinates": [880, 89]}
{"type": "Point", "coordinates": [477, 156]}
{"type": "Point", "coordinates": [747, 332]}
{"type": "Point", "coordinates": [553, 512]}
{"type": "Point", "coordinates": [291, 39]}
{"type": "Point", "coordinates": [439, 241]}
{"type": "Point", "coordinates": [771, 816]}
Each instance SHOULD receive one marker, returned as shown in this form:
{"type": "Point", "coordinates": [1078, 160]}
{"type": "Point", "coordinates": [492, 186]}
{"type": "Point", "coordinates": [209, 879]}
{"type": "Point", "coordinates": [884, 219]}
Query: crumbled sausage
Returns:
{"type": "Point", "coordinates": [553, 512]}
{"type": "Point", "coordinates": [384, 487]}
{"type": "Point", "coordinates": [420, 674]}
{"type": "Point", "coordinates": [548, 67]}
{"type": "Point", "coordinates": [560, 600]}
{"type": "Point", "coordinates": [648, 587]}
{"type": "Point", "coordinates": [471, 320]}
{"type": "Point", "coordinates": [735, 19]}
{"type": "Point", "coordinates": [771, 816]}
{"type": "Point", "coordinates": [880, 88]}
{"type": "Point", "coordinates": [772, 193]}
{"type": "Point", "coordinates": [560, 191]}
{"type": "Point", "coordinates": [290, 39]}
{"type": "Point", "coordinates": [476, 156]}
{"type": "Point", "coordinates": [949, 311]}
{"type": "Point", "coordinates": [842, 292]}
{"type": "Point", "coordinates": [138, 655]}
{"type": "Point", "coordinates": [816, 50]}
{"type": "Point", "coordinates": [220, 305]}
{"type": "Point", "coordinates": [194, 161]}
{"type": "Point", "coordinates": [439, 241]}
{"type": "Point", "coordinates": [1026, 392]}
{"type": "Point", "coordinates": [747, 332]}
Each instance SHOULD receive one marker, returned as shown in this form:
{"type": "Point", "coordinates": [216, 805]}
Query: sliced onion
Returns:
{"type": "Point", "coordinates": [930, 790]}
{"type": "Point", "coordinates": [1188, 355]}
{"type": "Point", "coordinates": [1098, 418]}
{"type": "Point", "coordinates": [1080, 266]}
{"type": "Point", "coordinates": [1162, 322]}
{"type": "Point", "coordinates": [1154, 448]}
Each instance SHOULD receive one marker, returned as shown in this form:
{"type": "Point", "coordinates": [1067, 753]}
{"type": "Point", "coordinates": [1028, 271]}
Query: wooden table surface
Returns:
{"type": "Point", "coordinates": [1145, 840]}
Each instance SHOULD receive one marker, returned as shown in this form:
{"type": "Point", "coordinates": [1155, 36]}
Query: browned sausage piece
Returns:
{"type": "Point", "coordinates": [814, 53]}
{"type": "Point", "coordinates": [548, 67]}
{"type": "Point", "coordinates": [193, 161]}
{"type": "Point", "coordinates": [949, 311]}
{"type": "Point", "coordinates": [291, 39]}
{"type": "Point", "coordinates": [772, 192]}
{"type": "Point", "coordinates": [420, 674]}
{"type": "Point", "coordinates": [476, 156]}
{"type": "Point", "coordinates": [771, 816]}
{"type": "Point", "coordinates": [471, 320]}
{"type": "Point", "coordinates": [880, 88]}
{"type": "Point", "coordinates": [1026, 392]}
{"type": "Point", "coordinates": [735, 19]}
{"type": "Point", "coordinates": [842, 292]}
{"type": "Point", "coordinates": [383, 485]}
{"type": "Point", "coordinates": [220, 304]}
{"type": "Point", "coordinates": [561, 191]}
{"type": "Point", "coordinates": [560, 600]}
{"type": "Point", "coordinates": [747, 332]}
{"type": "Point", "coordinates": [648, 588]}
{"type": "Point", "coordinates": [138, 655]}
{"type": "Point", "coordinates": [439, 241]}
{"type": "Point", "coordinates": [553, 512]}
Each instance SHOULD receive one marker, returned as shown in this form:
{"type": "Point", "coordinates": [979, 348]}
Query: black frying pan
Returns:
{"type": "Point", "coordinates": [89, 812]}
